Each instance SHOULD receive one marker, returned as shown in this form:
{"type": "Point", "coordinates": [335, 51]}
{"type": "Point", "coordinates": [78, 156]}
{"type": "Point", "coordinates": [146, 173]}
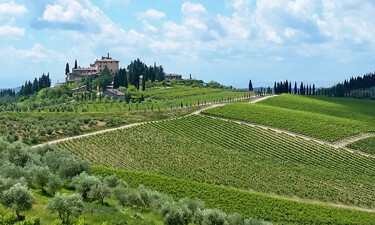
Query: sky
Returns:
{"type": "Point", "coordinates": [229, 41]}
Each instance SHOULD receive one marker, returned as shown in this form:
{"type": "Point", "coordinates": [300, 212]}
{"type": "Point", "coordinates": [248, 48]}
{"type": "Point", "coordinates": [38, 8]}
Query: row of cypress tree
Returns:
{"type": "Point", "coordinates": [30, 88]}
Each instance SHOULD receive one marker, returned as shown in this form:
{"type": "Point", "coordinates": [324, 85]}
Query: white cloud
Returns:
{"type": "Point", "coordinates": [109, 2]}
{"type": "Point", "coordinates": [192, 9]}
{"type": "Point", "coordinates": [36, 54]}
{"type": "Point", "coordinates": [11, 9]}
{"type": "Point", "coordinates": [148, 27]}
{"type": "Point", "coordinates": [165, 46]}
{"type": "Point", "coordinates": [7, 31]}
{"type": "Point", "coordinates": [151, 14]}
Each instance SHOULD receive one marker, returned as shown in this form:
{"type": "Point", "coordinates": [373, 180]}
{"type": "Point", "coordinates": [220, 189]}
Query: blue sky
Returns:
{"type": "Point", "coordinates": [230, 41]}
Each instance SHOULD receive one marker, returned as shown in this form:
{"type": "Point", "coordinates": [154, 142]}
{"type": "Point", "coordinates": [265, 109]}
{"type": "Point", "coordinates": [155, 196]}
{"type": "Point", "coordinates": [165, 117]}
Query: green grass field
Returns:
{"type": "Point", "coordinates": [325, 118]}
{"type": "Point", "coordinates": [235, 155]}
{"type": "Point", "coordinates": [365, 145]}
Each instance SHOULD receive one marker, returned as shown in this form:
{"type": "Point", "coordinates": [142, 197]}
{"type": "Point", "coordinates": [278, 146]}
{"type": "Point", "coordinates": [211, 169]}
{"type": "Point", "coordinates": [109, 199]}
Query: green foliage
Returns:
{"type": "Point", "coordinates": [104, 79]}
{"type": "Point", "coordinates": [18, 198]}
{"type": "Point", "coordinates": [99, 192]}
{"type": "Point", "coordinates": [365, 145]}
{"type": "Point", "coordinates": [177, 92]}
{"type": "Point", "coordinates": [85, 183]}
{"type": "Point", "coordinates": [41, 176]}
{"type": "Point", "coordinates": [54, 184]}
{"type": "Point", "coordinates": [191, 83]}
{"type": "Point", "coordinates": [66, 205]}
{"type": "Point", "coordinates": [11, 219]}
{"type": "Point", "coordinates": [245, 202]}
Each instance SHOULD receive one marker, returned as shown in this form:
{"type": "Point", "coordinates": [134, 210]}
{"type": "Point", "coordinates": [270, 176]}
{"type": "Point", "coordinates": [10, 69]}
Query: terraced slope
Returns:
{"type": "Point", "coordinates": [328, 119]}
{"type": "Point", "coordinates": [235, 155]}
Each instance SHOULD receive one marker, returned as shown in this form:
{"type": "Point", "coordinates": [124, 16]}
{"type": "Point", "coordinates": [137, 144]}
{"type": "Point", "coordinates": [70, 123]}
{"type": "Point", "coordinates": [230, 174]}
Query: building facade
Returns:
{"type": "Point", "coordinates": [95, 69]}
{"type": "Point", "coordinates": [171, 76]}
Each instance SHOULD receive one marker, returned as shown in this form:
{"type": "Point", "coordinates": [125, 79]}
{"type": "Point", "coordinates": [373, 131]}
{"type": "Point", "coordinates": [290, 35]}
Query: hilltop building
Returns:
{"type": "Point", "coordinates": [171, 76]}
{"type": "Point", "coordinates": [94, 70]}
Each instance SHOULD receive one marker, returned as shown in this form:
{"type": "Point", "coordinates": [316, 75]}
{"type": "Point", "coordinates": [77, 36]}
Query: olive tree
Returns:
{"type": "Point", "coordinates": [175, 213]}
{"type": "Point", "coordinates": [84, 183]}
{"type": "Point", "coordinates": [18, 198]}
{"type": "Point", "coordinates": [41, 176]}
{"type": "Point", "coordinates": [99, 192]}
{"type": "Point", "coordinates": [66, 206]}
{"type": "Point", "coordinates": [214, 217]}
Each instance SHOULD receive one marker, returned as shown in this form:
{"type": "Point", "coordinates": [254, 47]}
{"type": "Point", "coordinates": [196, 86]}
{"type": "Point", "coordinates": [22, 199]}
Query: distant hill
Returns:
{"type": "Point", "coordinates": [16, 89]}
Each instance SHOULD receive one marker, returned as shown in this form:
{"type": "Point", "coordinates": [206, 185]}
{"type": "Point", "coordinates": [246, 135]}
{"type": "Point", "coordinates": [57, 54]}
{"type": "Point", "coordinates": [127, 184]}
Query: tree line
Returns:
{"type": "Point", "coordinates": [286, 87]}
{"type": "Point", "coordinates": [30, 88]}
{"type": "Point", "coordinates": [132, 75]}
{"type": "Point", "coordinates": [7, 92]}
{"type": "Point", "coordinates": [352, 87]}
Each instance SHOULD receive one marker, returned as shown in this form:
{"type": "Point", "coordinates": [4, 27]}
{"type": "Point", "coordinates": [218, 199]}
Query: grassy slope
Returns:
{"type": "Point", "coordinates": [247, 203]}
{"type": "Point", "coordinates": [226, 153]}
{"type": "Point", "coordinates": [93, 213]}
{"type": "Point", "coordinates": [365, 145]}
{"type": "Point", "coordinates": [329, 119]}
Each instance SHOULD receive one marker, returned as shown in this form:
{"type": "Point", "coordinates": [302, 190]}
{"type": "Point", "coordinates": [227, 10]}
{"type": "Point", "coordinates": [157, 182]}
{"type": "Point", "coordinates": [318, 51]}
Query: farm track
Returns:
{"type": "Point", "coordinates": [339, 144]}
{"type": "Point", "coordinates": [349, 140]}
{"type": "Point", "coordinates": [209, 106]}
{"type": "Point", "coordinates": [308, 138]}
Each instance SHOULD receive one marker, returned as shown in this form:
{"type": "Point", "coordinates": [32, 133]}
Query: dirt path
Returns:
{"type": "Point", "coordinates": [262, 98]}
{"type": "Point", "coordinates": [88, 134]}
{"type": "Point", "coordinates": [346, 141]}
{"type": "Point", "coordinates": [308, 138]}
{"type": "Point", "coordinates": [210, 105]}
{"type": "Point", "coordinates": [339, 144]}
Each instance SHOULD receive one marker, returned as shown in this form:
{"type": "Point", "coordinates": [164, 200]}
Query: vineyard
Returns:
{"type": "Point", "coordinates": [244, 202]}
{"type": "Point", "coordinates": [235, 155]}
{"type": "Point", "coordinates": [358, 109]}
{"type": "Point", "coordinates": [326, 126]}
{"type": "Point", "coordinates": [177, 92]}
{"type": "Point", "coordinates": [365, 145]}
{"type": "Point", "coordinates": [159, 105]}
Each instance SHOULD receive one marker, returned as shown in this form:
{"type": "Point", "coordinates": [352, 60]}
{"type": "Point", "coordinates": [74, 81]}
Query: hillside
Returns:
{"type": "Point", "coordinates": [239, 156]}
{"type": "Point", "coordinates": [253, 159]}
{"type": "Point", "coordinates": [329, 119]}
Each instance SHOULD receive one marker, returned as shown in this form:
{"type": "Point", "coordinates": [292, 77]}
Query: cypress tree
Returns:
{"type": "Point", "coordinates": [313, 90]}
{"type": "Point", "coordinates": [250, 86]}
{"type": "Point", "coordinates": [67, 70]}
